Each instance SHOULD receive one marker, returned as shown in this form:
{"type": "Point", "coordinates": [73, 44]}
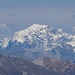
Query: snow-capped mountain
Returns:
{"type": "Point", "coordinates": [39, 41]}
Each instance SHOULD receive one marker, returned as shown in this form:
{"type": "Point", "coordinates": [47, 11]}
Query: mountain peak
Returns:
{"type": "Point", "coordinates": [20, 35]}
{"type": "Point", "coordinates": [34, 31]}
{"type": "Point", "coordinates": [36, 27]}
{"type": "Point", "coordinates": [40, 40]}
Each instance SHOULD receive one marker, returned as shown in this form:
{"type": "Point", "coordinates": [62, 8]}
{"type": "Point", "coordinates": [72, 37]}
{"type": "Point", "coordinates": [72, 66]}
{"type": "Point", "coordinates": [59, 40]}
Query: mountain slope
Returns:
{"type": "Point", "coordinates": [59, 66]}
{"type": "Point", "coordinates": [39, 41]}
{"type": "Point", "coordinates": [19, 66]}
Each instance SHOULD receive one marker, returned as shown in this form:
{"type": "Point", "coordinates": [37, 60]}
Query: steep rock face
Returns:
{"type": "Point", "coordinates": [39, 41]}
{"type": "Point", "coordinates": [19, 66]}
{"type": "Point", "coordinates": [59, 66]}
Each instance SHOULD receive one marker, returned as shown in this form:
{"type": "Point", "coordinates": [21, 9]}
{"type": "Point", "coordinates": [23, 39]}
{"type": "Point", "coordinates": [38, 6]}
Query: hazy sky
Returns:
{"type": "Point", "coordinates": [19, 14]}
{"type": "Point", "coordinates": [36, 3]}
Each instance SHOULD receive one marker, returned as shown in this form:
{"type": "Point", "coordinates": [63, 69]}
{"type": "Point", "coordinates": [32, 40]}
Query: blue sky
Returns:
{"type": "Point", "coordinates": [20, 14]}
{"type": "Point", "coordinates": [36, 3]}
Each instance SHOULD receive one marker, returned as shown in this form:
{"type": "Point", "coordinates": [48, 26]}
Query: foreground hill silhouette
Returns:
{"type": "Point", "coordinates": [19, 66]}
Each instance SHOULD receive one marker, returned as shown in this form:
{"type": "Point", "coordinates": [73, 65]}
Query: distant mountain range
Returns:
{"type": "Point", "coordinates": [39, 41]}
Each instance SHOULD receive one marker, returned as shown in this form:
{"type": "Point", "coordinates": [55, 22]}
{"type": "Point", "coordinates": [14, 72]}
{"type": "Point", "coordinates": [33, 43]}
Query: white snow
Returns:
{"type": "Point", "coordinates": [36, 27]}
{"type": "Point", "coordinates": [19, 36]}
{"type": "Point", "coordinates": [45, 38]}
{"type": "Point", "coordinates": [60, 30]}
{"type": "Point", "coordinates": [72, 42]}
{"type": "Point", "coordinates": [40, 31]}
{"type": "Point", "coordinates": [4, 42]}
{"type": "Point", "coordinates": [74, 50]}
